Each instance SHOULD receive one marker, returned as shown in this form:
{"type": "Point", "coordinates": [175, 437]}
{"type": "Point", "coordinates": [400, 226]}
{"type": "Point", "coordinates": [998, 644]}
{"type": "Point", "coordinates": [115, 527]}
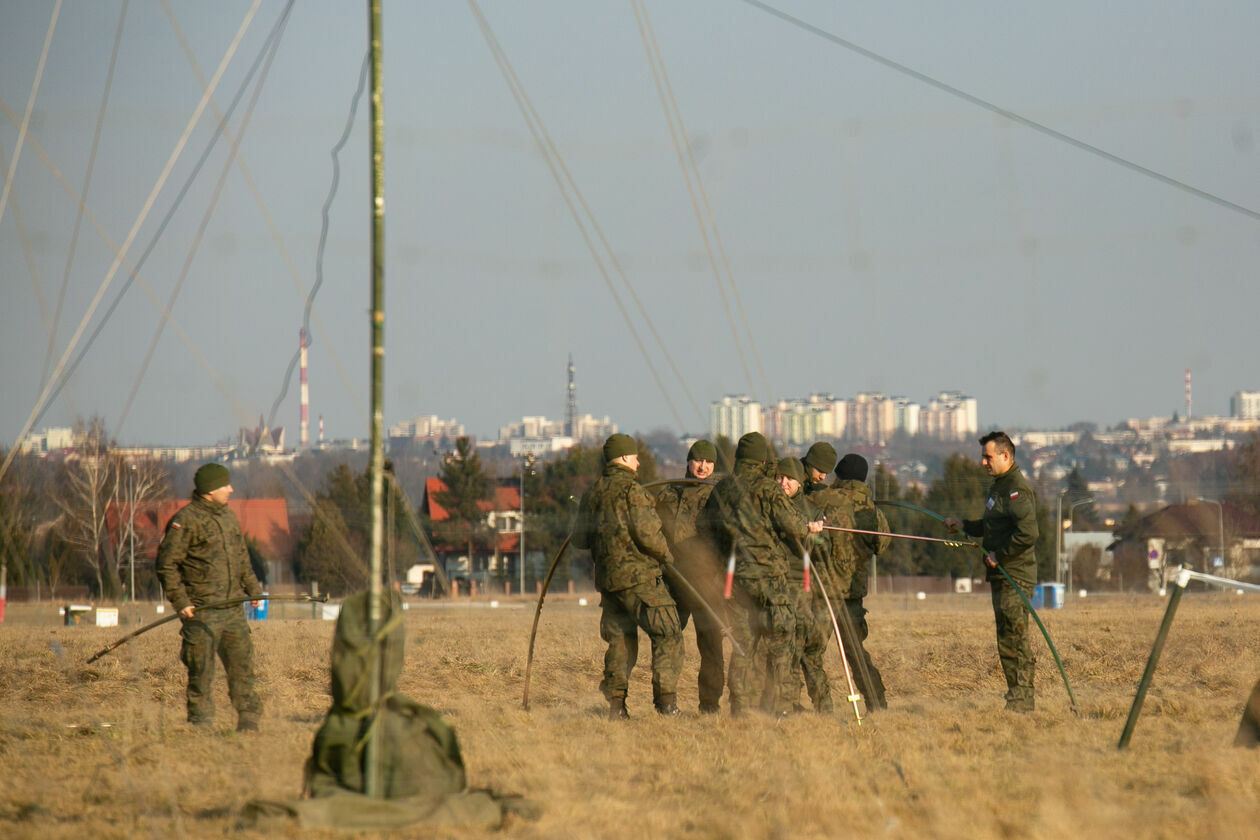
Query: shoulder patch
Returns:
{"type": "Point", "coordinates": [1014, 494]}
{"type": "Point", "coordinates": [176, 525]}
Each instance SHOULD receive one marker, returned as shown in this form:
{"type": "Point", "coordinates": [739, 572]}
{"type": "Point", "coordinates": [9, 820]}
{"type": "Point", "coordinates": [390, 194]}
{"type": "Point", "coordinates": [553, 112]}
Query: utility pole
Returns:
{"type": "Point", "coordinates": [372, 768]}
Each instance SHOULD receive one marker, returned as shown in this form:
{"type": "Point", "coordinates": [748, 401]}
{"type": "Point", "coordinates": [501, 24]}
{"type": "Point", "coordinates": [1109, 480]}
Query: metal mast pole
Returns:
{"type": "Point", "coordinates": [372, 773]}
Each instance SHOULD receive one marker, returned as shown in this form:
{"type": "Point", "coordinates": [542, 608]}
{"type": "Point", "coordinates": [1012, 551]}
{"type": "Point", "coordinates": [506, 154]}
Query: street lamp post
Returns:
{"type": "Point", "coordinates": [527, 463]}
{"type": "Point", "coordinates": [132, 507]}
{"type": "Point", "coordinates": [1072, 517]}
{"type": "Point", "coordinates": [1058, 539]}
{"type": "Point", "coordinates": [1220, 522]}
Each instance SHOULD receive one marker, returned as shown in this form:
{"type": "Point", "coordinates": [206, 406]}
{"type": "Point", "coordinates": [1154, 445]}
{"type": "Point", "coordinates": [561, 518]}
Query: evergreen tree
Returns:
{"type": "Point", "coordinates": [898, 559]}
{"type": "Point", "coordinates": [551, 504]}
{"type": "Point", "coordinates": [647, 462]}
{"type": "Point", "coordinates": [1243, 476]}
{"type": "Point", "coordinates": [960, 492]}
{"type": "Point", "coordinates": [334, 550]}
{"type": "Point", "coordinates": [466, 486]}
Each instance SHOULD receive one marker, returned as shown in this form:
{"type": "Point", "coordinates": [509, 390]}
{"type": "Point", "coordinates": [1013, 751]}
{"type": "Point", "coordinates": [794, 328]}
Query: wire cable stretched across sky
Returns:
{"type": "Point", "coordinates": [1003, 112]}
{"type": "Point", "coordinates": [65, 377]}
{"type": "Point", "coordinates": [174, 156]}
{"type": "Point", "coordinates": [323, 233]}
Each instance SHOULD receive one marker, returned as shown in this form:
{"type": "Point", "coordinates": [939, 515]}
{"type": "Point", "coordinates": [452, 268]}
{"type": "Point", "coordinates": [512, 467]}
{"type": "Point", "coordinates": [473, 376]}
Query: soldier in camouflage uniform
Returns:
{"type": "Point", "coordinates": [202, 560]}
{"type": "Point", "coordinates": [617, 521]}
{"type": "Point", "coordinates": [809, 638]}
{"type": "Point", "coordinates": [818, 461]}
{"type": "Point", "coordinates": [747, 515]}
{"type": "Point", "coordinates": [855, 495]}
{"type": "Point", "coordinates": [679, 507]}
{"type": "Point", "coordinates": [1009, 534]}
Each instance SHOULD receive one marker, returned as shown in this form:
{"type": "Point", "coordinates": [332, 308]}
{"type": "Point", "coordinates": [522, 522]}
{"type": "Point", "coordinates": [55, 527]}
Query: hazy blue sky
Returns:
{"type": "Point", "coordinates": [882, 234]}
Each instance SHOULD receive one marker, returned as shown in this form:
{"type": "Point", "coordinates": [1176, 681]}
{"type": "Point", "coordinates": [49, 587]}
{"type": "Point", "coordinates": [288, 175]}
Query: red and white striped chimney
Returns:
{"type": "Point", "coordinates": [306, 394]}
{"type": "Point", "coordinates": [1187, 394]}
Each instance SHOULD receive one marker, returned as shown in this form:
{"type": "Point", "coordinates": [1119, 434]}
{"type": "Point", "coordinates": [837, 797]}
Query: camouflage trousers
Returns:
{"type": "Point", "coordinates": [762, 621]}
{"type": "Point", "coordinates": [811, 633]}
{"type": "Point", "coordinates": [649, 606]}
{"type": "Point", "coordinates": [223, 632]}
{"type": "Point", "coordinates": [709, 639]}
{"type": "Point", "coordinates": [867, 677]}
{"type": "Point", "coordinates": [1018, 663]}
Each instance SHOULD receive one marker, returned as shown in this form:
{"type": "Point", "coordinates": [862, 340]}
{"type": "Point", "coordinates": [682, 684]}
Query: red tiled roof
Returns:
{"type": "Point", "coordinates": [266, 520]}
{"type": "Point", "coordinates": [507, 497]}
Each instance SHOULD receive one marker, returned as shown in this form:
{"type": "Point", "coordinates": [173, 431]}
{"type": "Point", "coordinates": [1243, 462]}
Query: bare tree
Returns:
{"type": "Point", "coordinates": [95, 478]}
{"type": "Point", "coordinates": [89, 482]}
{"type": "Point", "coordinates": [138, 483]}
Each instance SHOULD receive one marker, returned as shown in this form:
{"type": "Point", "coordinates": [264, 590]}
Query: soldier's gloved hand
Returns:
{"type": "Point", "coordinates": [953, 524]}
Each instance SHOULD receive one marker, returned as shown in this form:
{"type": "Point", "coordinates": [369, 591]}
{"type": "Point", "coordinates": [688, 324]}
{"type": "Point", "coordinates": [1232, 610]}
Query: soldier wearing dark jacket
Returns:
{"type": "Point", "coordinates": [748, 516]}
{"type": "Point", "coordinates": [854, 495]}
{"type": "Point", "coordinates": [203, 560]}
{"type": "Point", "coordinates": [1009, 534]}
{"type": "Point", "coordinates": [679, 506]}
{"type": "Point", "coordinates": [617, 521]}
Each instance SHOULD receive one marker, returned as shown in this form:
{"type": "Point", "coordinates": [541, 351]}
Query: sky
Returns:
{"type": "Point", "coordinates": [855, 227]}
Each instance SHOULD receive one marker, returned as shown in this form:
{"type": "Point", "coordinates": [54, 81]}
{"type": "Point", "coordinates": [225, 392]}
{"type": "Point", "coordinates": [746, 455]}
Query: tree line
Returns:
{"type": "Point", "coordinates": [55, 527]}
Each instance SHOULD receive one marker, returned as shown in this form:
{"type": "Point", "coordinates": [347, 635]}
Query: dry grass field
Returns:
{"type": "Point", "coordinates": [102, 750]}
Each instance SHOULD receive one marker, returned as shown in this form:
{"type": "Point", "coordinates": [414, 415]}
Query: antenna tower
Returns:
{"type": "Point", "coordinates": [570, 403]}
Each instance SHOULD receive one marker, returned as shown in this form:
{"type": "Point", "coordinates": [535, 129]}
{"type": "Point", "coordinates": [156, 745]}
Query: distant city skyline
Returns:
{"type": "Point", "coordinates": [1244, 405]}
{"type": "Point", "coordinates": [1052, 208]}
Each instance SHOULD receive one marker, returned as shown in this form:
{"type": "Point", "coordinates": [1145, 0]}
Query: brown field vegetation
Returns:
{"type": "Point", "coordinates": [102, 750]}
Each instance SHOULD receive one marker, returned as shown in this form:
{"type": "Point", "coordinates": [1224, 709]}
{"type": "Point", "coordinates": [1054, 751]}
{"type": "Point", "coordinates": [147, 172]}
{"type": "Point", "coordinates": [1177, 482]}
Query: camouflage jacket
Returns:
{"type": "Point", "coordinates": [203, 557]}
{"type": "Point", "coordinates": [847, 504]}
{"type": "Point", "coordinates": [1009, 526]}
{"type": "Point", "coordinates": [679, 507]}
{"type": "Point", "coordinates": [819, 545]}
{"type": "Point", "coordinates": [617, 521]}
{"type": "Point", "coordinates": [867, 517]}
{"type": "Point", "coordinates": [749, 512]}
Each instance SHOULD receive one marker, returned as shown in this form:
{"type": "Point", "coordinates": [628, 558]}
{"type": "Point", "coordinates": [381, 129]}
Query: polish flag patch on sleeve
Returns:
{"type": "Point", "coordinates": [176, 525]}
{"type": "Point", "coordinates": [1014, 494]}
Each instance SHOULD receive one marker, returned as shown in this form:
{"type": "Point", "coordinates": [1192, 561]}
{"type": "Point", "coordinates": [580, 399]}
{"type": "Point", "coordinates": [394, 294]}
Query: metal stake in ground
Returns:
{"type": "Point", "coordinates": [1184, 576]}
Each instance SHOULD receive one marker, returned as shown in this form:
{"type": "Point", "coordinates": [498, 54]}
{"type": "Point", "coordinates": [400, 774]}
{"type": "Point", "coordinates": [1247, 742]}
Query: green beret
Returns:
{"type": "Point", "coordinates": [821, 456]}
{"type": "Point", "coordinates": [702, 450]}
{"type": "Point", "coordinates": [211, 477]}
{"type": "Point", "coordinates": [791, 467]}
{"type": "Point", "coordinates": [618, 445]}
{"type": "Point", "coordinates": [852, 467]}
{"type": "Point", "coordinates": [754, 447]}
